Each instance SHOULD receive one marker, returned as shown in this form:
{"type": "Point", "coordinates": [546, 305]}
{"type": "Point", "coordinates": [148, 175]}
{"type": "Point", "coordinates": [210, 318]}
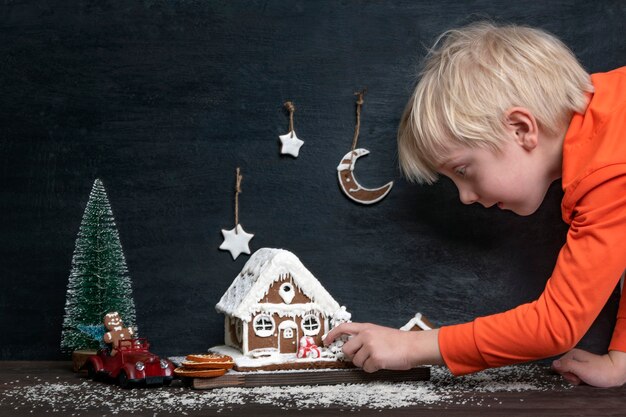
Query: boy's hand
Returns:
{"type": "Point", "coordinates": [578, 366]}
{"type": "Point", "coordinates": [373, 347]}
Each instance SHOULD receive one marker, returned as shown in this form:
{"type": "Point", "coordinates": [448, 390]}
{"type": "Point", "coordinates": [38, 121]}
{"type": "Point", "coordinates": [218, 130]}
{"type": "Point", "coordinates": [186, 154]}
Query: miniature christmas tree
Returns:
{"type": "Point", "coordinates": [99, 282]}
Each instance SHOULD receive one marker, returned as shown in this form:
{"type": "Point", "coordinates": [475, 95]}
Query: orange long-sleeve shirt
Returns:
{"type": "Point", "coordinates": [590, 263]}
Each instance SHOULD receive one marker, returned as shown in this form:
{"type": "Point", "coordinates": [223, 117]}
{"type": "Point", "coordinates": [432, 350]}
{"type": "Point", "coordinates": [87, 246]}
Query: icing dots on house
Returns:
{"type": "Point", "coordinates": [273, 302]}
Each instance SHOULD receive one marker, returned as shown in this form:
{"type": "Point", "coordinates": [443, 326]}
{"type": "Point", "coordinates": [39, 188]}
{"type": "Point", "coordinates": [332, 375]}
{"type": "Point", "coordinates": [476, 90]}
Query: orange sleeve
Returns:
{"type": "Point", "coordinates": [587, 270]}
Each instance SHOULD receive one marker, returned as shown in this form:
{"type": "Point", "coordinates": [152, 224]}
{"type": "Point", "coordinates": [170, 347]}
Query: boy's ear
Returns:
{"type": "Point", "coordinates": [523, 127]}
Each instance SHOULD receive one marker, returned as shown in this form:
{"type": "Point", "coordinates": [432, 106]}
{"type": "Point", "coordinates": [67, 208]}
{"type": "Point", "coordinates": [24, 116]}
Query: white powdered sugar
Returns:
{"type": "Point", "coordinates": [72, 398]}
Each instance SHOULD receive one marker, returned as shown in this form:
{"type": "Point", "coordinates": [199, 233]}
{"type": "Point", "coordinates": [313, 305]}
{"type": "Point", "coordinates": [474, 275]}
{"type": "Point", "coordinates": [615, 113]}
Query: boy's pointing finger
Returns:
{"type": "Point", "coordinates": [344, 328]}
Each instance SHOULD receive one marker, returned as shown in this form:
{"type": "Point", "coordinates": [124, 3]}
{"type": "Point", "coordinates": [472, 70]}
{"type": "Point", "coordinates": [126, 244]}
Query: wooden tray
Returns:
{"type": "Point", "coordinates": [311, 377]}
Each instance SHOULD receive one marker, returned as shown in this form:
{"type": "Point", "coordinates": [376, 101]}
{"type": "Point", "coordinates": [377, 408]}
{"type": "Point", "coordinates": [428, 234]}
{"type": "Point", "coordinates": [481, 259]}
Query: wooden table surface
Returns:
{"type": "Point", "coordinates": [51, 388]}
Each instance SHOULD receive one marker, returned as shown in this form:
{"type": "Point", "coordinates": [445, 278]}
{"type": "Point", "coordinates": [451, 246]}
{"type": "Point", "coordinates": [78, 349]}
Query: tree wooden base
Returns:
{"type": "Point", "coordinates": [311, 377]}
{"type": "Point", "coordinates": [79, 357]}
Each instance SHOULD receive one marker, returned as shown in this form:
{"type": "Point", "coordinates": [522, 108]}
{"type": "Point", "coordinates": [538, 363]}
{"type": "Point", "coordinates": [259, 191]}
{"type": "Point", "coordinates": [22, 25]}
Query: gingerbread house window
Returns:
{"type": "Point", "coordinates": [263, 325]}
{"type": "Point", "coordinates": [310, 325]}
{"type": "Point", "coordinates": [288, 333]}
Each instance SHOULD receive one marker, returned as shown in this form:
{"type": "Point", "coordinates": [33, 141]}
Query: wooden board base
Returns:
{"type": "Point", "coordinates": [312, 377]}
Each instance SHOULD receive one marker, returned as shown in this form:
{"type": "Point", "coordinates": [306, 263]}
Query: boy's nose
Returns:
{"type": "Point", "coordinates": [467, 196]}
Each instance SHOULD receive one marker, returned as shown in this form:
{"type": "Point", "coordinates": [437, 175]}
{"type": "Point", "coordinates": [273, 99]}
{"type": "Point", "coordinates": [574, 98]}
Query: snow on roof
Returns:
{"type": "Point", "coordinates": [264, 267]}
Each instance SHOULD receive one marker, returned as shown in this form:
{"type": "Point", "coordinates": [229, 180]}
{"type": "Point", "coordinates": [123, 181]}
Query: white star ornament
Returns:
{"type": "Point", "coordinates": [236, 241]}
{"type": "Point", "coordinates": [291, 144]}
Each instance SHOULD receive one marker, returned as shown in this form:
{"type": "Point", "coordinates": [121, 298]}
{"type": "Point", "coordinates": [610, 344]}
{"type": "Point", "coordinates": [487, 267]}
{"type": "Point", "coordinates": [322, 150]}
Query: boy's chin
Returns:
{"type": "Point", "coordinates": [524, 211]}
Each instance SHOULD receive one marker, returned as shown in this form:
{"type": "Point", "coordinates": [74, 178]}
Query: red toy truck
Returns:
{"type": "Point", "coordinates": [132, 364]}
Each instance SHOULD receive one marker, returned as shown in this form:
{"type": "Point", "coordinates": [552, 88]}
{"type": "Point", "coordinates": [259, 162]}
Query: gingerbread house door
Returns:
{"type": "Point", "coordinates": [288, 337]}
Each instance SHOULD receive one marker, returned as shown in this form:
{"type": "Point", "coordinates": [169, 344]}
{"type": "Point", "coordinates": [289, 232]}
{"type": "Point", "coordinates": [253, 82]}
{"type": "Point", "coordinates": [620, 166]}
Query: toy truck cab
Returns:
{"type": "Point", "coordinates": [133, 364]}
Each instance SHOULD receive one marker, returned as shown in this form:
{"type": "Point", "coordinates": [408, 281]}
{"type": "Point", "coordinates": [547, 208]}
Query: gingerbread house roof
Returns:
{"type": "Point", "coordinates": [265, 266]}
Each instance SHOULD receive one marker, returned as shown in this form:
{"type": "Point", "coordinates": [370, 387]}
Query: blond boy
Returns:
{"type": "Point", "coordinates": [503, 111]}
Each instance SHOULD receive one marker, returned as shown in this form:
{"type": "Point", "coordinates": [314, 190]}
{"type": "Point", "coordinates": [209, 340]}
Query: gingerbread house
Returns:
{"type": "Point", "coordinates": [273, 303]}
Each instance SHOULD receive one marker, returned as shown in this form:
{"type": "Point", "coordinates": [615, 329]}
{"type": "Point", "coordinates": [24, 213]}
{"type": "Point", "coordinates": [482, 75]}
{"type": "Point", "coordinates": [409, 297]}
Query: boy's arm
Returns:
{"type": "Point", "coordinates": [604, 371]}
{"type": "Point", "coordinates": [587, 270]}
{"type": "Point", "coordinates": [609, 370]}
{"type": "Point", "coordinates": [373, 347]}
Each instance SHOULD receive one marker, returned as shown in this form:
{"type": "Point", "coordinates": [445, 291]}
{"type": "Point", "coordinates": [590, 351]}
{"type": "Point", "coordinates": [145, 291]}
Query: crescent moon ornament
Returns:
{"type": "Point", "coordinates": [351, 187]}
{"type": "Point", "coordinates": [345, 169]}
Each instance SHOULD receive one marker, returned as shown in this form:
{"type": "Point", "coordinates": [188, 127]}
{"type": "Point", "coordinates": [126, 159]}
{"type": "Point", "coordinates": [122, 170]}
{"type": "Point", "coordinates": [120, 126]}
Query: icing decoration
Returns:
{"type": "Point", "coordinates": [345, 170]}
{"type": "Point", "coordinates": [236, 240]}
{"type": "Point", "coordinates": [286, 292]}
{"type": "Point", "coordinates": [340, 316]}
{"type": "Point", "coordinates": [290, 143]}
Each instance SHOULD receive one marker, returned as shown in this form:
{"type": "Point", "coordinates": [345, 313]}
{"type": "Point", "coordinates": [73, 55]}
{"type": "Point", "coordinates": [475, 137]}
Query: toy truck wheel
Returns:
{"type": "Point", "coordinates": [167, 382]}
{"type": "Point", "coordinates": [91, 372]}
{"type": "Point", "coordinates": [122, 380]}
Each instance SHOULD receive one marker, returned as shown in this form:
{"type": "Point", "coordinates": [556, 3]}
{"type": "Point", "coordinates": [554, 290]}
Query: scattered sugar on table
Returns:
{"type": "Point", "coordinates": [443, 389]}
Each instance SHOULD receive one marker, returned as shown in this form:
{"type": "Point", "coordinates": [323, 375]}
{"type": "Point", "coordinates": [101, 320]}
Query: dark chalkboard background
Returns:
{"type": "Point", "coordinates": [162, 100]}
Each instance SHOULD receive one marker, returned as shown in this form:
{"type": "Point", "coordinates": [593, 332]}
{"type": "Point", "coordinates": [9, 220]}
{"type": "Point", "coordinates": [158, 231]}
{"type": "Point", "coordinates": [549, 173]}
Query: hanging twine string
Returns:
{"type": "Point", "coordinates": [237, 192]}
{"type": "Point", "coordinates": [291, 109]}
{"type": "Point", "coordinates": [359, 104]}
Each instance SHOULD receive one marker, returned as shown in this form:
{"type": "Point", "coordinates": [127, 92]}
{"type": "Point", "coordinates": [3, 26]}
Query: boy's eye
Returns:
{"type": "Point", "coordinates": [460, 171]}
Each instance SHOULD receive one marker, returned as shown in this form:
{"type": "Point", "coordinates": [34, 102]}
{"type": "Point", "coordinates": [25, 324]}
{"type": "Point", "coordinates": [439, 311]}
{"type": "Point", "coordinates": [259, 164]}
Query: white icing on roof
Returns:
{"type": "Point", "coordinates": [265, 266]}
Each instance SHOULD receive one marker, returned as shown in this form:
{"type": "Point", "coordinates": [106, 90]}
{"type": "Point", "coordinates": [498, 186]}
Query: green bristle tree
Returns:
{"type": "Point", "coordinates": [99, 282]}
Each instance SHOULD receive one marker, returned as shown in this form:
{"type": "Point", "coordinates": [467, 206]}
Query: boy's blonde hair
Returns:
{"type": "Point", "coordinates": [471, 77]}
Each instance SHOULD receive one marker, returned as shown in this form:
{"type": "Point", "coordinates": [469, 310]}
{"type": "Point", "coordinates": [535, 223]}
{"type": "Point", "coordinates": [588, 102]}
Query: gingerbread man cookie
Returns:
{"type": "Point", "coordinates": [116, 331]}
